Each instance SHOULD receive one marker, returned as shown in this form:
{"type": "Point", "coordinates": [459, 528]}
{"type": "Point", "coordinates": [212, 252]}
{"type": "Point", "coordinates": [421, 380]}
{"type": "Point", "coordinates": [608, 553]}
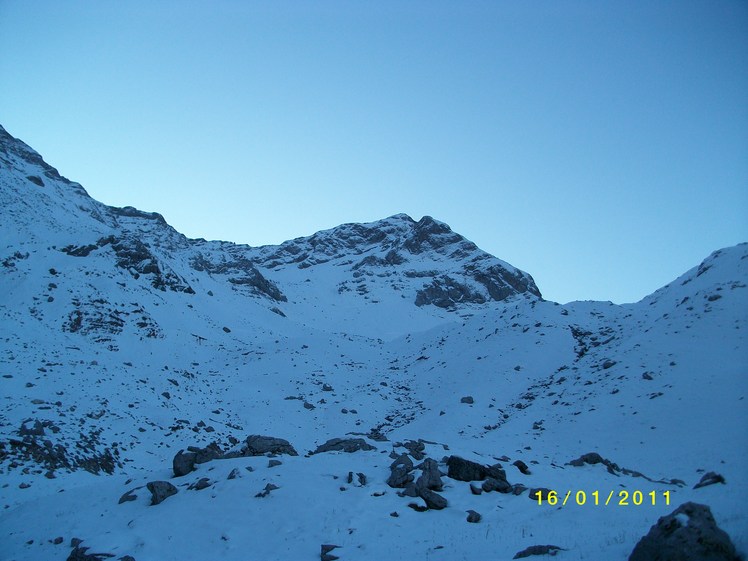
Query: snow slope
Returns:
{"type": "Point", "coordinates": [122, 342]}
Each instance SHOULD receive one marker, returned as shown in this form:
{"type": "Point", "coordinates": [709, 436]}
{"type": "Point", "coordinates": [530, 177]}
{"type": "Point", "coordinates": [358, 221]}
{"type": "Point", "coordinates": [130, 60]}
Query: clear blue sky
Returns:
{"type": "Point", "coordinates": [600, 146]}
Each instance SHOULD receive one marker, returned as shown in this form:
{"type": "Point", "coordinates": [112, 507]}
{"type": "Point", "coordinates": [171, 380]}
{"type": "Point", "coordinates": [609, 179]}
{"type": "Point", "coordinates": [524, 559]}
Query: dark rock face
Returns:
{"type": "Point", "coordinates": [160, 491]}
{"type": "Point", "coordinates": [500, 283]}
{"type": "Point", "coordinates": [344, 445]}
{"type": "Point", "coordinates": [136, 257]}
{"type": "Point", "coordinates": [689, 533]}
{"type": "Point", "coordinates": [183, 463]}
{"type": "Point", "coordinates": [240, 272]}
{"type": "Point", "coordinates": [86, 453]}
{"type": "Point", "coordinates": [260, 445]}
{"type": "Point", "coordinates": [539, 550]}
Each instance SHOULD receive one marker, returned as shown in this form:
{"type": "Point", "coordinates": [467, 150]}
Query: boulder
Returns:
{"type": "Point", "coordinates": [399, 477]}
{"type": "Point", "coordinates": [183, 463]}
{"type": "Point", "coordinates": [433, 500]}
{"type": "Point", "coordinates": [431, 478]}
{"type": "Point", "coordinates": [473, 517]}
{"type": "Point", "coordinates": [160, 491]}
{"type": "Point", "coordinates": [591, 458]}
{"type": "Point", "coordinates": [257, 445]}
{"type": "Point", "coordinates": [689, 533]}
{"type": "Point", "coordinates": [208, 454]}
{"type": "Point", "coordinates": [465, 470]}
{"type": "Point", "coordinates": [416, 449]}
{"type": "Point", "coordinates": [344, 445]}
{"type": "Point", "coordinates": [493, 484]}
{"type": "Point", "coordinates": [402, 460]}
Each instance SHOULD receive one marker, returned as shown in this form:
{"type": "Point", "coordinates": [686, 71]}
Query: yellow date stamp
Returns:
{"type": "Point", "coordinates": [596, 498]}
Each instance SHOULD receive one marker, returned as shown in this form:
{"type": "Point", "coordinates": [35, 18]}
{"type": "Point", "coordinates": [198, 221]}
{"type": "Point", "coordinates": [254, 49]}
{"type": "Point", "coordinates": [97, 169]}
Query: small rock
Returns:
{"type": "Point", "coordinates": [269, 487]}
{"type": "Point", "coordinates": [467, 399]}
{"type": "Point", "coordinates": [542, 491]}
{"type": "Point", "coordinates": [710, 478]}
{"type": "Point", "coordinates": [538, 550]}
{"type": "Point", "coordinates": [473, 517]}
{"type": "Point", "coordinates": [127, 497]}
{"type": "Point", "coordinates": [522, 467]}
{"type": "Point", "coordinates": [79, 554]}
{"type": "Point", "coordinates": [274, 463]}
{"type": "Point", "coordinates": [202, 483]}
{"type": "Point", "coordinates": [325, 554]}
{"type": "Point", "coordinates": [475, 490]}
{"type": "Point", "coordinates": [234, 473]}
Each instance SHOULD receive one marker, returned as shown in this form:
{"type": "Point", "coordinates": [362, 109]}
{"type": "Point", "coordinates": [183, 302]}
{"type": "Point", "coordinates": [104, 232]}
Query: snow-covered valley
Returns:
{"type": "Point", "coordinates": [123, 343]}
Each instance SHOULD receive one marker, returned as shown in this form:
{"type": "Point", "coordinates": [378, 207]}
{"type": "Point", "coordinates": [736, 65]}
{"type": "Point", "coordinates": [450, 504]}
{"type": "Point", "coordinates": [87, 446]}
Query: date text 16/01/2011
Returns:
{"type": "Point", "coordinates": [620, 498]}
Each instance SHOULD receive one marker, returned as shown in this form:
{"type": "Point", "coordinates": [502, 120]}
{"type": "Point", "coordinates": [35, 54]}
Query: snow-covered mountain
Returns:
{"type": "Point", "coordinates": [123, 342]}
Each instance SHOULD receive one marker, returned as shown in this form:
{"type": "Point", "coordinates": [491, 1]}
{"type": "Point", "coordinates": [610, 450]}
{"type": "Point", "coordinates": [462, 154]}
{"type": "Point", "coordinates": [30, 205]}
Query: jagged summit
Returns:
{"type": "Point", "coordinates": [424, 261]}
